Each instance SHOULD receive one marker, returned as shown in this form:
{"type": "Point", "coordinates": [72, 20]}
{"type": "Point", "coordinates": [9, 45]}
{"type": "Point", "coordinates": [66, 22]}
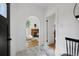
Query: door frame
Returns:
{"type": "Point", "coordinates": [8, 32]}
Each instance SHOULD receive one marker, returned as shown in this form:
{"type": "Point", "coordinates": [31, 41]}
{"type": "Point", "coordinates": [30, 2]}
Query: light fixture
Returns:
{"type": "Point", "coordinates": [76, 11]}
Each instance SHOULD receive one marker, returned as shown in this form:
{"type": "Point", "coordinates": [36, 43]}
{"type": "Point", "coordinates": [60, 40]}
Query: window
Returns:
{"type": "Point", "coordinates": [3, 9]}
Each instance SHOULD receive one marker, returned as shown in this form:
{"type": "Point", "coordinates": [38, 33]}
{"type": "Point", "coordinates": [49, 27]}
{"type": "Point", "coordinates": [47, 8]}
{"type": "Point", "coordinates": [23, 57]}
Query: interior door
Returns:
{"type": "Point", "coordinates": [3, 36]}
{"type": "Point", "coordinates": [4, 29]}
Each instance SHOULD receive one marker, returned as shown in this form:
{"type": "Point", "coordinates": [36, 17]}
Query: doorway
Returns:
{"type": "Point", "coordinates": [4, 29]}
{"type": "Point", "coordinates": [51, 31]}
{"type": "Point", "coordinates": [32, 31]}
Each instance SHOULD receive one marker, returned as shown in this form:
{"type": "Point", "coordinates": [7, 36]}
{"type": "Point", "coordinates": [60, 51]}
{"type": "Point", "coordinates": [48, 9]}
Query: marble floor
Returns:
{"type": "Point", "coordinates": [37, 51]}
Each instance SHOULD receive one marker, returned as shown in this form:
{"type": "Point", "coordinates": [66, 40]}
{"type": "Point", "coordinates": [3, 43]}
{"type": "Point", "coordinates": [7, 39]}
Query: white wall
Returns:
{"type": "Point", "coordinates": [19, 15]}
{"type": "Point", "coordinates": [66, 25]}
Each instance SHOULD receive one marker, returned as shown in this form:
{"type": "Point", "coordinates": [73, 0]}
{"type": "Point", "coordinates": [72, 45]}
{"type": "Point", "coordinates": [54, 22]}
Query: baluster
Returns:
{"type": "Point", "coordinates": [67, 47]}
{"type": "Point", "coordinates": [72, 48]}
{"type": "Point", "coordinates": [77, 49]}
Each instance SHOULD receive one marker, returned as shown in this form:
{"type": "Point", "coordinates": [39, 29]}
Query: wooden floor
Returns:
{"type": "Point", "coordinates": [32, 43]}
{"type": "Point", "coordinates": [52, 45]}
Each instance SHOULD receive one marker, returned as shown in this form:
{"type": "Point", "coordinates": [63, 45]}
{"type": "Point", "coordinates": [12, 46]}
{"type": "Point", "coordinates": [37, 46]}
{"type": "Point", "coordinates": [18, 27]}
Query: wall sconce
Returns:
{"type": "Point", "coordinates": [76, 11]}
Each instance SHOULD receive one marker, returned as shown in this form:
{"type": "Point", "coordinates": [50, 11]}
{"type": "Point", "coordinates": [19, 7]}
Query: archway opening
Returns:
{"type": "Point", "coordinates": [32, 31]}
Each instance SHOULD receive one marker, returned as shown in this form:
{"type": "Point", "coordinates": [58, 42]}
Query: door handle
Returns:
{"type": "Point", "coordinates": [9, 39]}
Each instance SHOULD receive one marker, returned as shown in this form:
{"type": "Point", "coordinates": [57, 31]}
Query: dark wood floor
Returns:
{"type": "Point", "coordinates": [52, 45]}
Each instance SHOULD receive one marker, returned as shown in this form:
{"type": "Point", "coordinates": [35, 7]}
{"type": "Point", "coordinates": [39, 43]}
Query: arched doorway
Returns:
{"type": "Point", "coordinates": [32, 31]}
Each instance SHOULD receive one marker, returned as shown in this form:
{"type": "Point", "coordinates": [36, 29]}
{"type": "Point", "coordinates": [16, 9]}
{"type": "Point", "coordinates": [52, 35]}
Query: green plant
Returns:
{"type": "Point", "coordinates": [28, 23]}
